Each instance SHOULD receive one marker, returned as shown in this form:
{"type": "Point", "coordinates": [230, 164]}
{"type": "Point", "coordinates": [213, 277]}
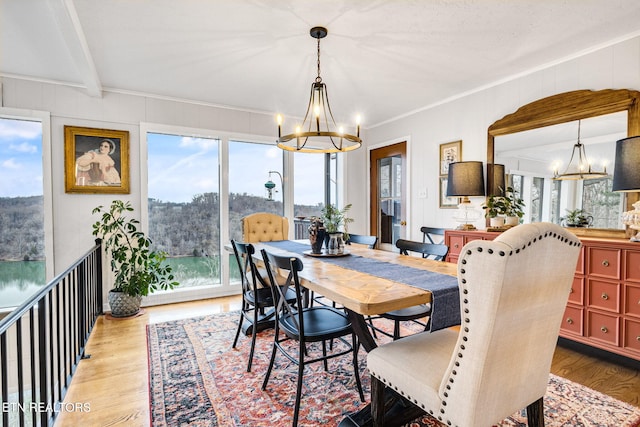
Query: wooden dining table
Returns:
{"type": "Point", "coordinates": [360, 293]}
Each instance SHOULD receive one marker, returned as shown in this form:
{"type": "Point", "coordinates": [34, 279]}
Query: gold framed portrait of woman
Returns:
{"type": "Point", "coordinates": [96, 160]}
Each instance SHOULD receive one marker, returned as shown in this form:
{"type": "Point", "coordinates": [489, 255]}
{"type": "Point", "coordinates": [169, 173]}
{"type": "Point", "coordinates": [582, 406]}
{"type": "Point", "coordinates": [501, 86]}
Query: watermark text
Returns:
{"type": "Point", "coordinates": [44, 407]}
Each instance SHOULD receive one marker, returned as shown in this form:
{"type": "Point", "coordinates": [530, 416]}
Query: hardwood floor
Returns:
{"type": "Point", "coordinates": [114, 381]}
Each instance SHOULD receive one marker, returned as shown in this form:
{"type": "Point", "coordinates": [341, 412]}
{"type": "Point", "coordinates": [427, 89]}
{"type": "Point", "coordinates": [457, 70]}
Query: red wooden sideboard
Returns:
{"type": "Point", "coordinates": [603, 310]}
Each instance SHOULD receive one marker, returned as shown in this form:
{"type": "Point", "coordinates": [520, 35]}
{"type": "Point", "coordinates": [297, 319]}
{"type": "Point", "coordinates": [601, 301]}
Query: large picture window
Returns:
{"type": "Point", "coordinates": [250, 165]}
{"type": "Point", "coordinates": [599, 201]}
{"type": "Point", "coordinates": [22, 237]}
{"type": "Point", "coordinates": [199, 188]}
{"type": "Point", "coordinates": [184, 205]}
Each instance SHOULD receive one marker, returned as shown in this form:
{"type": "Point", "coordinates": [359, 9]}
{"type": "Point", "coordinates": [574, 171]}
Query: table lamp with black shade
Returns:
{"type": "Point", "coordinates": [466, 179]}
{"type": "Point", "coordinates": [626, 178]}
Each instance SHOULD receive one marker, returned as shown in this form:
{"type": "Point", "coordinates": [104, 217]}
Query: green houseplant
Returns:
{"type": "Point", "coordinates": [335, 223]}
{"type": "Point", "coordinates": [335, 220]}
{"type": "Point", "coordinates": [514, 207]}
{"type": "Point", "coordinates": [508, 206]}
{"type": "Point", "coordinates": [577, 218]}
{"type": "Point", "coordinates": [495, 206]}
{"type": "Point", "coordinates": [138, 269]}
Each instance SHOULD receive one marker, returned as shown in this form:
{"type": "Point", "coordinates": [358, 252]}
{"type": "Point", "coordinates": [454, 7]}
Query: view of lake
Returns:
{"type": "Point", "coordinates": [19, 280]}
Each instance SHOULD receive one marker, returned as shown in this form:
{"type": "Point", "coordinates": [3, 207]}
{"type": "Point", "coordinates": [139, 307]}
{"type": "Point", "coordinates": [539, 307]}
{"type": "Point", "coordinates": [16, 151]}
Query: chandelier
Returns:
{"type": "Point", "coordinates": [319, 132]}
{"type": "Point", "coordinates": [579, 166]}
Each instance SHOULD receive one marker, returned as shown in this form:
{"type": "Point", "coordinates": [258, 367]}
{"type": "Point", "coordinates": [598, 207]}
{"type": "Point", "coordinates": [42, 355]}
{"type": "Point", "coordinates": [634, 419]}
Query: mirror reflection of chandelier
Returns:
{"type": "Point", "coordinates": [579, 166]}
{"type": "Point", "coordinates": [319, 132]}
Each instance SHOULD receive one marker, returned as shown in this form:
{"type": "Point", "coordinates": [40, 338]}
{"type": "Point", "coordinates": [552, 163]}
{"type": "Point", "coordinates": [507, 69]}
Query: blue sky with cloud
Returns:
{"type": "Point", "coordinates": [20, 158]}
{"type": "Point", "coordinates": [180, 167]}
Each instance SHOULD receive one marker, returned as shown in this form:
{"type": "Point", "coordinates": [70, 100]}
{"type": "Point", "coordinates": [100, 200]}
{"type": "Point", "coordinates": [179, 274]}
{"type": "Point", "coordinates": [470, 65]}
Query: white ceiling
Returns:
{"type": "Point", "coordinates": [382, 59]}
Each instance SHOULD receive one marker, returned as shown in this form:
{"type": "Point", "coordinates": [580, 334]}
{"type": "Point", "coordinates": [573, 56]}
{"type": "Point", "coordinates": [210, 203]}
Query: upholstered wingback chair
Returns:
{"type": "Point", "coordinates": [513, 293]}
{"type": "Point", "coordinates": [264, 227]}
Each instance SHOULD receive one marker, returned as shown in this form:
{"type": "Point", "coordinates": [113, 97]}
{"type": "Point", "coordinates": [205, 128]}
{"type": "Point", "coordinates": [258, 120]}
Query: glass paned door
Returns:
{"type": "Point", "coordinates": [390, 198]}
{"type": "Point", "coordinates": [388, 220]}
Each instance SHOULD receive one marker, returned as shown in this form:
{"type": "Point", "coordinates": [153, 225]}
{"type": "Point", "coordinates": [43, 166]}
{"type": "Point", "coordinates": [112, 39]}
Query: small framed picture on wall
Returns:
{"type": "Point", "coordinates": [447, 202]}
{"type": "Point", "coordinates": [449, 153]}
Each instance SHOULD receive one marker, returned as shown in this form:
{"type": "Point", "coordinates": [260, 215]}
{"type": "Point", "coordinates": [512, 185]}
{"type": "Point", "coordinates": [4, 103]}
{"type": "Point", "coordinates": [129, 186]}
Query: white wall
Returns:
{"type": "Point", "coordinates": [468, 118]}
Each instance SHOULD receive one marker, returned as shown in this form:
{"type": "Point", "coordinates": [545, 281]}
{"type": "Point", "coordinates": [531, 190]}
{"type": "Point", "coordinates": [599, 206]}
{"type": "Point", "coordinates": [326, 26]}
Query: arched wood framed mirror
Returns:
{"type": "Point", "coordinates": [568, 107]}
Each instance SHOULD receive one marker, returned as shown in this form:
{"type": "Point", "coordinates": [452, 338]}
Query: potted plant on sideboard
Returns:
{"type": "Point", "coordinates": [138, 269]}
{"type": "Point", "coordinates": [514, 207]}
{"type": "Point", "coordinates": [504, 210]}
{"type": "Point", "coordinates": [494, 210]}
{"type": "Point", "coordinates": [577, 218]}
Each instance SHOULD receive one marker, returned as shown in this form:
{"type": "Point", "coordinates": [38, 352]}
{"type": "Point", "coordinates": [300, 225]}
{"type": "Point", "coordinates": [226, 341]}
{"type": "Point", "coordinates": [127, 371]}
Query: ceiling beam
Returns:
{"type": "Point", "coordinates": [68, 23]}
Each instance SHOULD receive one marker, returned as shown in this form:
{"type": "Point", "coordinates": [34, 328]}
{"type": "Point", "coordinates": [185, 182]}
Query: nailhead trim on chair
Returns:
{"type": "Point", "coordinates": [467, 319]}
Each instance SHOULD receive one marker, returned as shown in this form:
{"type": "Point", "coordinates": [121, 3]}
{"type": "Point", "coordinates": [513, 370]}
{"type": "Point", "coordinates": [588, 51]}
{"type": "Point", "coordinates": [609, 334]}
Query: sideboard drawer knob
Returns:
{"type": "Point", "coordinates": [605, 296]}
{"type": "Point", "coordinates": [456, 245]}
{"type": "Point", "coordinates": [638, 338]}
{"type": "Point", "coordinates": [604, 329]}
{"type": "Point", "coordinates": [605, 263]}
{"type": "Point", "coordinates": [569, 320]}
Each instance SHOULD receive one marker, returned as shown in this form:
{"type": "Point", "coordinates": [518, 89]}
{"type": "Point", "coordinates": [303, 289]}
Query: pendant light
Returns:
{"type": "Point", "coordinates": [318, 132]}
{"type": "Point", "coordinates": [579, 166]}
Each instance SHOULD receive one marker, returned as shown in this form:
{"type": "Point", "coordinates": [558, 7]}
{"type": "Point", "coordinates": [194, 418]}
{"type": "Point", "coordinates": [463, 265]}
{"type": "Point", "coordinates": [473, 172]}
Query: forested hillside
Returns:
{"type": "Point", "coordinates": [181, 229]}
{"type": "Point", "coordinates": [184, 229]}
{"type": "Point", "coordinates": [21, 228]}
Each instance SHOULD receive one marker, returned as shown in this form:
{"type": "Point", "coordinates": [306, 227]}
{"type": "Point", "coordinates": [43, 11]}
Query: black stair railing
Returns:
{"type": "Point", "coordinates": [43, 340]}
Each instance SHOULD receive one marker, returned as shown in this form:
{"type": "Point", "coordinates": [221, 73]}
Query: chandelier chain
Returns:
{"type": "Point", "coordinates": [318, 79]}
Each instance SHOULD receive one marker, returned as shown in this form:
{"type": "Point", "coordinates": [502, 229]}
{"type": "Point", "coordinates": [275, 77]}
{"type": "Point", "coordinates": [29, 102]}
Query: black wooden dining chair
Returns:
{"type": "Point", "coordinates": [437, 252]}
{"type": "Point", "coordinates": [429, 235]}
{"type": "Point", "coordinates": [305, 325]}
{"type": "Point", "coordinates": [362, 239]}
{"type": "Point", "coordinates": [256, 295]}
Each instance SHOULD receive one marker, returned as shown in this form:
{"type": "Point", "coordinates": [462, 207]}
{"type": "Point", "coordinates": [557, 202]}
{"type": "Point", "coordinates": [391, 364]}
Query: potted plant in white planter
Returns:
{"type": "Point", "coordinates": [514, 207]}
{"type": "Point", "coordinates": [504, 210]}
{"type": "Point", "coordinates": [138, 269]}
{"type": "Point", "coordinates": [494, 208]}
{"type": "Point", "coordinates": [335, 223]}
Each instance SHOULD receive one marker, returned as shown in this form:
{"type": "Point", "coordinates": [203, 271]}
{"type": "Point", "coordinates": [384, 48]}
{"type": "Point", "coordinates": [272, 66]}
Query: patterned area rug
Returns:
{"type": "Point", "coordinates": [196, 379]}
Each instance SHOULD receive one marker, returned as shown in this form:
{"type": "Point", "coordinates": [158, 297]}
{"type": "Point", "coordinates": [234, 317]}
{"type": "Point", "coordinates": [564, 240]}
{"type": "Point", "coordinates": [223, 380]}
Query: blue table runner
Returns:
{"type": "Point", "coordinates": [445, 305]}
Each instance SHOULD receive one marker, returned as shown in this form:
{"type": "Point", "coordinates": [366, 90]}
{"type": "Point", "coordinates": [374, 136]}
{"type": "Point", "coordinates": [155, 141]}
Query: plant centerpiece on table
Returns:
{"type": "Point", "coordinates": [577, 218]}
{"type": "Point", "coordinates": [335, 223]}
{"type": "Point", "coordinates": [138, 269]}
